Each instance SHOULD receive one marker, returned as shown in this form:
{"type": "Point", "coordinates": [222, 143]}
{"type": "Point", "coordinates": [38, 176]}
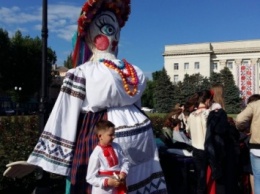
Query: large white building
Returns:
{"type": "Point", "coordinates": [241, 57]}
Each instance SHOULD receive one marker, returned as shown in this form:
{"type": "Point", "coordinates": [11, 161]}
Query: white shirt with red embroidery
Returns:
{"type": "Point", "coordinates": [105, 159]}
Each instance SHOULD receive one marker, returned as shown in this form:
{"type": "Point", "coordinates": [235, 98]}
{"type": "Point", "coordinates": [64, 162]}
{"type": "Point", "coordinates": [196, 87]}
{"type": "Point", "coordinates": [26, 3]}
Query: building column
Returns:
{"type": "Point", "coordinates": [236, 77]}
{"type": "Point", "coordinates": [255, 67]}
{"type": "Point", "coordinates": [238, 61]}
{"type": "Point", "coordinates": [222, 63]}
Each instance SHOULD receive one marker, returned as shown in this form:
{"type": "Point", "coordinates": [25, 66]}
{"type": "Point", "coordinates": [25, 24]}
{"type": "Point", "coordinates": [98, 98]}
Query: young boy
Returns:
{"type": "Point", "coordinates": [108, 166]}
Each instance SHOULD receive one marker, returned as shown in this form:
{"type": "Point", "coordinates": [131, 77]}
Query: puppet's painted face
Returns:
{"type": "Point", "coordinates": [104, 33]}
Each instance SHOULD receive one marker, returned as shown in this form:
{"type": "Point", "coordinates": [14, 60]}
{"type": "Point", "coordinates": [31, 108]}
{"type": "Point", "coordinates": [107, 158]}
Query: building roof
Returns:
{"type": "Point", "coordinates": [62, 69]}
{"type": "Point", "coordinates": [216, 47]}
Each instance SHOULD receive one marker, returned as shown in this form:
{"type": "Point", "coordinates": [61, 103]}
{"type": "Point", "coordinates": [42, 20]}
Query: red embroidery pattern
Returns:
{"type": "Point", "coordinates": [110, 155]}
{"type": "Point", "coordinates": [246, 80]}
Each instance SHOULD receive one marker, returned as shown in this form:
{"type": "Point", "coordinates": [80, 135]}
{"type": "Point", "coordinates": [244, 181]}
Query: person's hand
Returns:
{"type": "Point", "coordinates": [18, 169]}
{"type": "Point", "coordinates": [112, 182]}
{"type": "Point", "coordinates": [122, 177]}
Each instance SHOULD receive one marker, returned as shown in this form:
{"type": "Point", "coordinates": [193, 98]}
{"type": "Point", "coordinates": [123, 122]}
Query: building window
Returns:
{"type": "Point", "coordinates": [186, 65]}
{"type": "Point", "coordinates": [215, 66]}
{"type": "Point", "coordinates": [196, 65]}
{"type": "Point", "coordinates": [175, 78]}
{"type": "Point", "coordinates": [230, 64]}
{"type": "Point", "coordinates": [245, 62]}
{"type": "Point", "coordinates": [176, 66]}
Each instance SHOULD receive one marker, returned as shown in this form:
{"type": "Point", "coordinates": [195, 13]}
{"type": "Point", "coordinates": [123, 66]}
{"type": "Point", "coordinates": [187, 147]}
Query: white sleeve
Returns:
{"type": "Point", "coordinates": [54, 149]}
{"type": "Point", "coordinates": [92, 172]}
{"type": "Point", "coordinates": [244, 118]}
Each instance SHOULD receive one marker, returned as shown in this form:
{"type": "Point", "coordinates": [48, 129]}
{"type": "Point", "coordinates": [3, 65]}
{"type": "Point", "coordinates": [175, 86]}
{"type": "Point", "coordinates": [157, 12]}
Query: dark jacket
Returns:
{"type": "Point", "coordinates": [170, 144]}
{"type": "Point", "coordinates": [221, 139]}
{"type": "Point", "coordinates": [222, 149]}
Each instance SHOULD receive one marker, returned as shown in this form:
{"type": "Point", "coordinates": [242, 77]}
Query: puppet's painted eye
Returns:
{"type": "Point", "coordinates": [108, 30]}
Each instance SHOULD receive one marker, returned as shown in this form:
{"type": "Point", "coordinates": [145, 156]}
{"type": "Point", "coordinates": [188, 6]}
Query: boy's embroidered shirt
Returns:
{"type": "Point", "coordinates": [110, 155]}
{"type": "Point", "coordinates": [105, 159]}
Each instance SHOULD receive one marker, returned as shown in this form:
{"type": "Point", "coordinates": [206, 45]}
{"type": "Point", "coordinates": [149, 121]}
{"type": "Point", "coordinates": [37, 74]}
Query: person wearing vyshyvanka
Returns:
{"type": "Point", "coordinates": [108, 166]}
{"type": "Point", "coordinates": [197, 126]}
{"type": "Point", "coordinates": [99, 87]}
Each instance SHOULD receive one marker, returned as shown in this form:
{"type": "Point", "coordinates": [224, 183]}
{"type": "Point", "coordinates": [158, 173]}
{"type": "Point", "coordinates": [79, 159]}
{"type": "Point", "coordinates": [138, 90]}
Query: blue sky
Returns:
{"type": "Point", "coordinates": [151, 25]}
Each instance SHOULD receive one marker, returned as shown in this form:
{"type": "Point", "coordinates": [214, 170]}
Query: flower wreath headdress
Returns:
{"type": "Point", "coordinates": [121, 8]}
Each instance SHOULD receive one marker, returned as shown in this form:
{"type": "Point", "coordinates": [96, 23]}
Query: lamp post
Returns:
{"type": "Point", "coordinates": [43, 98]}
{"type": "Point", "coordinates": [17, 90]}
{"type": "Point", "coordinates": [44, 179]}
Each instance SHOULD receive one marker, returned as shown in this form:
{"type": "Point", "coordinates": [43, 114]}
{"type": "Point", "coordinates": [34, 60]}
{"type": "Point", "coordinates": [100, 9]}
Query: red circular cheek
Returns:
{"type": "Point", "coordinates": [101, 42]}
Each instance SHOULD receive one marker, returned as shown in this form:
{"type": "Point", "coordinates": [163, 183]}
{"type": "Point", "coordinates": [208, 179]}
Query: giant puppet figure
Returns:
{"type": "Point", "coordinates": [99, 87]}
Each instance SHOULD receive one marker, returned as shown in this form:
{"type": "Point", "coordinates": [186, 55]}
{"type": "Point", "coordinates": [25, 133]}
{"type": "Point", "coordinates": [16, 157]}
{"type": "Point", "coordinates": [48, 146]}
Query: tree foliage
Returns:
{"type": "Point", "coordinates": [232, 98]}
{"type": "Point", "coordinates": [68, 62]}
{"type": "Point", "coordinates": [215, 78]}
{"type": "Point", "coordinates": [191, 84]}
{"type": "Point", "coordinates": [163, 92]}
{"type": "Point", "coordinates": [5, 57]}
{"type": "Point", "coordinates": [147, 97]}
{"type": "Point", "coordinates": [21, 63]}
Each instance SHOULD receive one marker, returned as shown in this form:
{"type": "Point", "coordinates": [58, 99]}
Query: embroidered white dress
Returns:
{"type": "Point", "coordinates": [99, 164]}
{"type": "Point", "coordinates": [93, 87]}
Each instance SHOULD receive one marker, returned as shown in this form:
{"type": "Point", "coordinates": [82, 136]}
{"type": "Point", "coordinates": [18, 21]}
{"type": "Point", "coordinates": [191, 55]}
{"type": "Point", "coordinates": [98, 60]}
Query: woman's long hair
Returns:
{"type": "Point", "coordinates": [218, 97]}
{"type": "Point", "coordinates": [199, 97]}
{"type": "Point", "coordinates": [172, 120]}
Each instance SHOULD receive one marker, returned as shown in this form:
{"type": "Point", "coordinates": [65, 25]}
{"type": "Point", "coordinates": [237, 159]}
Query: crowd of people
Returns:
{"type": "Point", "coordinates": [215, 141]}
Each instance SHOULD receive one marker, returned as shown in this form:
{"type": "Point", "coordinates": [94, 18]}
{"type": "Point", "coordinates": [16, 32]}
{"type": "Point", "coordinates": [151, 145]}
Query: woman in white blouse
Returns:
{"type": "Point", "coordinates": [197, 124]}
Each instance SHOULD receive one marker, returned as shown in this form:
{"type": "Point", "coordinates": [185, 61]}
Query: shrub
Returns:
{"type": "Point", "coordinates": [157, 122]}
{"type": "Point", "coordinates": [19, 135]}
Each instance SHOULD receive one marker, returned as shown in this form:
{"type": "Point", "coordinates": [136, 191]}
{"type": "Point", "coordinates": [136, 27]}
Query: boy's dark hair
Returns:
{"type": "Point", "coordinates": [103, 125]}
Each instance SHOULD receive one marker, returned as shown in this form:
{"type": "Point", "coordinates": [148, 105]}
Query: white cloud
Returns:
{"type": "Point", "coordinates": [63, 11]}
{"type": "Point", "coordinates": [15, 15]}
{"type": "Point", "coordinates": [67, 32]}
{"type": "Point", "coordinates": [62, 19]}
{"type": "Point", "coordinates": [62, 24]}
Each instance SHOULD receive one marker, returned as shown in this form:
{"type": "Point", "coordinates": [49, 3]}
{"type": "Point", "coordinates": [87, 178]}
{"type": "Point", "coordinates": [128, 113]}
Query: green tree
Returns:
{"type": "Point", "coordinates": [68, 62]}
{"type": "Point", "coordinates": [5, 56]}
{"type": "Point", "coordinates": [190, 85]}
{"type": "Point", "coordinates": [205, 84]}
{"type": "Point", "coordinates": [163, 92]}
{"type": "Point", "coordinates": [179, 94]}
{"type": "Point", "coordinates": [232, 98]}
{"type": "Point", "coordinates": [196, 81]}
{"type": "Point", "coordinates": [215, 78]}
{"type": "Point", "coordinates": [24, 66]}
{"type": "Point", "coordinates": [156, 75]}
{"type": "Point", "coordinates": [147, 97]}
